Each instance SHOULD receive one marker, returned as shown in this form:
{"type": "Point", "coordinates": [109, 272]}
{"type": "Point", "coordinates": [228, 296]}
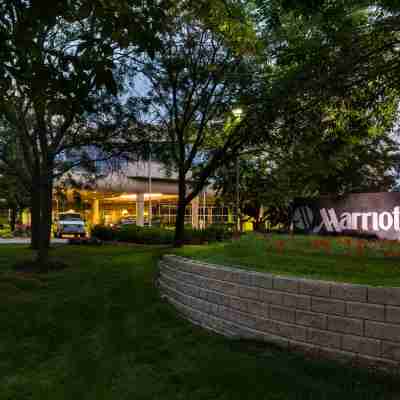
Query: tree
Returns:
{"type": "Point", "coordinates": [200, 72]}
{"type": "Point", "coordinates": [15, 196]}
{"type": "Point", "coordinates": [333, 88]}
{"type": "Point", "coordinates": [330, 48]}
{"type": "Point", "coordinates": [325, 151]}
{"type": "Point", "coordinates": [253, 188]}
{"type": "Point", "coordinates": [57, 66]}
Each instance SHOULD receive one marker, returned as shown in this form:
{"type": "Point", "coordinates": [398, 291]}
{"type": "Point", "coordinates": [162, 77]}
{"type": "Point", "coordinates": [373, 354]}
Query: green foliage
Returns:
{"type": "Point", "coordinates": [13, 192]}
{"type": "Point", "coordinates": [22, 231]}
{"type": "Point", "coordinates": [144, 235]}
{"type": "Point", "coordinates": [103, 232]}
{"type": "Point", "coordinates": [58, 69]}
{"type": "Point", "coordinates": [218, 232]}
{"type": "Point", "coordinates": [334, 109]}
{"type": "Point", "coordinates": [204, 67]}
{"type": "Point", "coordinates": [5, 233]}
{"type": "Point", "coordinates": [335, 69]}
{"type": "Point", "coordinates": [328, 49]}
{"type": "Point", "coordinates": [155, 235]}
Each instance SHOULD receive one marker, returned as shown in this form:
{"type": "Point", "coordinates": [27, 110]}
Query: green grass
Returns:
{"type": "Point", "coordinates": [99, 330]}
{"type": "Point", "coordinates": [337, 259]}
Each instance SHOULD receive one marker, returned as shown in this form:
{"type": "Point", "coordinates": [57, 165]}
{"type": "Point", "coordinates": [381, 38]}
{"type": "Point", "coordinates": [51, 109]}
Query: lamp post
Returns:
{"type": "Point", "coordinates": [237, 112]}
{"type": "Point", "coordinates": [150, 190]}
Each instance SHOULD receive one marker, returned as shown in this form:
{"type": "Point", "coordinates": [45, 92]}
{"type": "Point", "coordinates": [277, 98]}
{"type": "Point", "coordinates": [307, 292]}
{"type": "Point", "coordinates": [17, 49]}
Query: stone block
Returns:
{"type": "Point", "coordinates": [245, 278]}
{"type": "Point", "coordinates": [361, 345]}
{"type": "Point", "coordinates": [328, 306]}
{"type": "Point", "coordinates": [365, 311]}
{"type": "Point", "coordinates": [290, 331]}
{"type": "Point", "coordinates": [391, 350]}
{"type": "Point", "coordinates": [238, 303]}
{"type": "Point", "coordinates": [393, 314]}
{"type": "Point", "coordinates": [248, 292]}
{"type": "Point", "coordinates": [270, 296]}
{"type": "Point", "coordinates": [234, 276]}
{"type": "Point", "coordinates": [382, 295]}
{"type": "Point", "coordinates": [314, 288]}
{"type": "Point", "coordinates": [286, 284]}
{"type": "Point", "coordinates": [349, 292]}
{"type": "Point", "coordinates": [311, 319]}
{"type": "Point", "coordinates": [257, 308]}
{"type": "Point", "coordinates": [282, 313]}
{"type": "Point", "coordinates": [384, 331]}
{"type": "Point", "coordinates": [242, 318]}
{"type": "Point", "coordinates": [263, 281]}
{"type": "Point", "coordinates": [324, 338]}
{"type": "Point", "coordinates": [230, 289]}
{"type": "Point", "coordinates": [214, 273]}
{"type": "Point", "coordinates": [296, 301]}
{"type": "Point", "coordinates": [214, 297]}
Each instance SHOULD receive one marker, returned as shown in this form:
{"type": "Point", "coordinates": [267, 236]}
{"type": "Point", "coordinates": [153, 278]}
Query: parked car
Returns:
{"type": "Point", "coordinates": [71, 224]}
{"type": "Point", "coordinates": [127, 220]}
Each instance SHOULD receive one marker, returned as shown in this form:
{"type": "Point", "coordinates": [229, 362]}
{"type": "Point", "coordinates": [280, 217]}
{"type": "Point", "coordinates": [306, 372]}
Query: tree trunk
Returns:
{"type": "Point", "coordinates": [13, 217]}
{"type": "Point", "coordinates": [46, 206]}
{"type": "Point", "coordinates": [241, 226]}
{"type": "Point", "coordinates": [35, 217]}
{"type": "Point", "coordinates": [180, 214]}
{"type": "Point", "coordinates": [259, 223]}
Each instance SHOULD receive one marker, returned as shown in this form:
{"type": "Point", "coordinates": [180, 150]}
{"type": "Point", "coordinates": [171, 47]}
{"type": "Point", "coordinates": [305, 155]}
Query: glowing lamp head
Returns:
{"type": "Point", "coordinates": [237, 112]}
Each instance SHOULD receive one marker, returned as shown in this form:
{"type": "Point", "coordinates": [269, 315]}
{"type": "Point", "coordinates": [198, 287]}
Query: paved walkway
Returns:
{"type": "Point", "coordinates": [27, 241]}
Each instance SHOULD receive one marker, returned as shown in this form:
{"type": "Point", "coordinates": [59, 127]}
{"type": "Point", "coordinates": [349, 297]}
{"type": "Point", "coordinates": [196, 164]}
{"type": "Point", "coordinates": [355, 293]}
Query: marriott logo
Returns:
{"type": "Point", "coordinates": [376, 221]}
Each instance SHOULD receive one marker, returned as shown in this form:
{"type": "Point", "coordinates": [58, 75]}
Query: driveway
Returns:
{"type": "Point", "coordinates": [27, 241]}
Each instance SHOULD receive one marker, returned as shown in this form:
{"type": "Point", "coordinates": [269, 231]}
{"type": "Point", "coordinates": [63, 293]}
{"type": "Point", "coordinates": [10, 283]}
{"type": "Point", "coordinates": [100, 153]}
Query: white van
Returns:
{"type": "Point", "coordinates": [69, 223]}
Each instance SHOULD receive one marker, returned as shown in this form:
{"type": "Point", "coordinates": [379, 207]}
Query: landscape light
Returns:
{"type": "Point", "coordinates": [237, 112]}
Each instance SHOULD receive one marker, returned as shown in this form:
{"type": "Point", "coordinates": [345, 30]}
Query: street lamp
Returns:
{"type": "Point", "coordinates": [237, 112]}
{"type": "Point", "coordinates": [150, 189]}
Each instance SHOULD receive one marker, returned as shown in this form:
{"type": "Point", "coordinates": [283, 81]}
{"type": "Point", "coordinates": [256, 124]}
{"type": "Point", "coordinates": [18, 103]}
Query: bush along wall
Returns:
{"type": "Point", "coordinates": [156, 235]}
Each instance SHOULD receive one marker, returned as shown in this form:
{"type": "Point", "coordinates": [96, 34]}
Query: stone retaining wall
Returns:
{"type": "Point", "coordinates": [341, 321]}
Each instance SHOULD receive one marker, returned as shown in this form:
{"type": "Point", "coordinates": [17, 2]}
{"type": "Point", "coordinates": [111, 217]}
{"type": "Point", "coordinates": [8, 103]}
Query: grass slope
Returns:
{"type": "Point", "coordinates": [337, 259]}
{"type": "Point", "coordinates": [99, 330]}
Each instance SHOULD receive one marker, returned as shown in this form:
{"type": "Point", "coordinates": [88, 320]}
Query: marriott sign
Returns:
{"type": "Point", "coordinates": [379, 221]}
{"type": "Point", "coordinates": [375, 213]}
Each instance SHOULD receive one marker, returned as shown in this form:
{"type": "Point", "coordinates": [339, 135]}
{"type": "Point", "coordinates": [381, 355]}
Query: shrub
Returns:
{"type": "Point", "coordinates": [194, 236]}
{"type": "Point", "coordinates": [103, 232]}
{"type": "Point", "coordinates": [218, 232]}
{"type": "Point", "coordinates": [145, 235]}
{"type": "Point", "coordinates": [22, 231]}
{"type": "Point", "coordinates": [157, 235]}
{"type": "Point", "coordinates": [212, 233]}
{"type": "Point", "coordinates": [6, 235]}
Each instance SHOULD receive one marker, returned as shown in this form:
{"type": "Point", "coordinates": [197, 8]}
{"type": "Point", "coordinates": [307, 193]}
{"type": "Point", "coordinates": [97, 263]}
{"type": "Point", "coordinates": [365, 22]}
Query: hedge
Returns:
{"type": "Point", "coordinates": [144, 235]}
{"type": "Point", "coordinates": [103, 232]}
{"type": "Point", "coordinates": [156, 235]}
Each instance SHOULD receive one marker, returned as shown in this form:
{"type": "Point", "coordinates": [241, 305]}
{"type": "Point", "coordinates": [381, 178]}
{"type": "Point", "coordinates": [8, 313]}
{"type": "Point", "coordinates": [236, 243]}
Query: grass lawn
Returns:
{"type": "Point", "coordinates": [98, 330]}
{"type": "Point", "coordinates": [336, 259]}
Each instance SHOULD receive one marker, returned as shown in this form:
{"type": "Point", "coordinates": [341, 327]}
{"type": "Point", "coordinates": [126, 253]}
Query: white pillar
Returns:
{"type": "Point", "coordinates": [210, 215]}
{"type": "Point", "coordinates": [96, 212]}
{"type": "Point", "coordinates": [140, 209]}
{"type": "Point", "coordinates": [195, 213]}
